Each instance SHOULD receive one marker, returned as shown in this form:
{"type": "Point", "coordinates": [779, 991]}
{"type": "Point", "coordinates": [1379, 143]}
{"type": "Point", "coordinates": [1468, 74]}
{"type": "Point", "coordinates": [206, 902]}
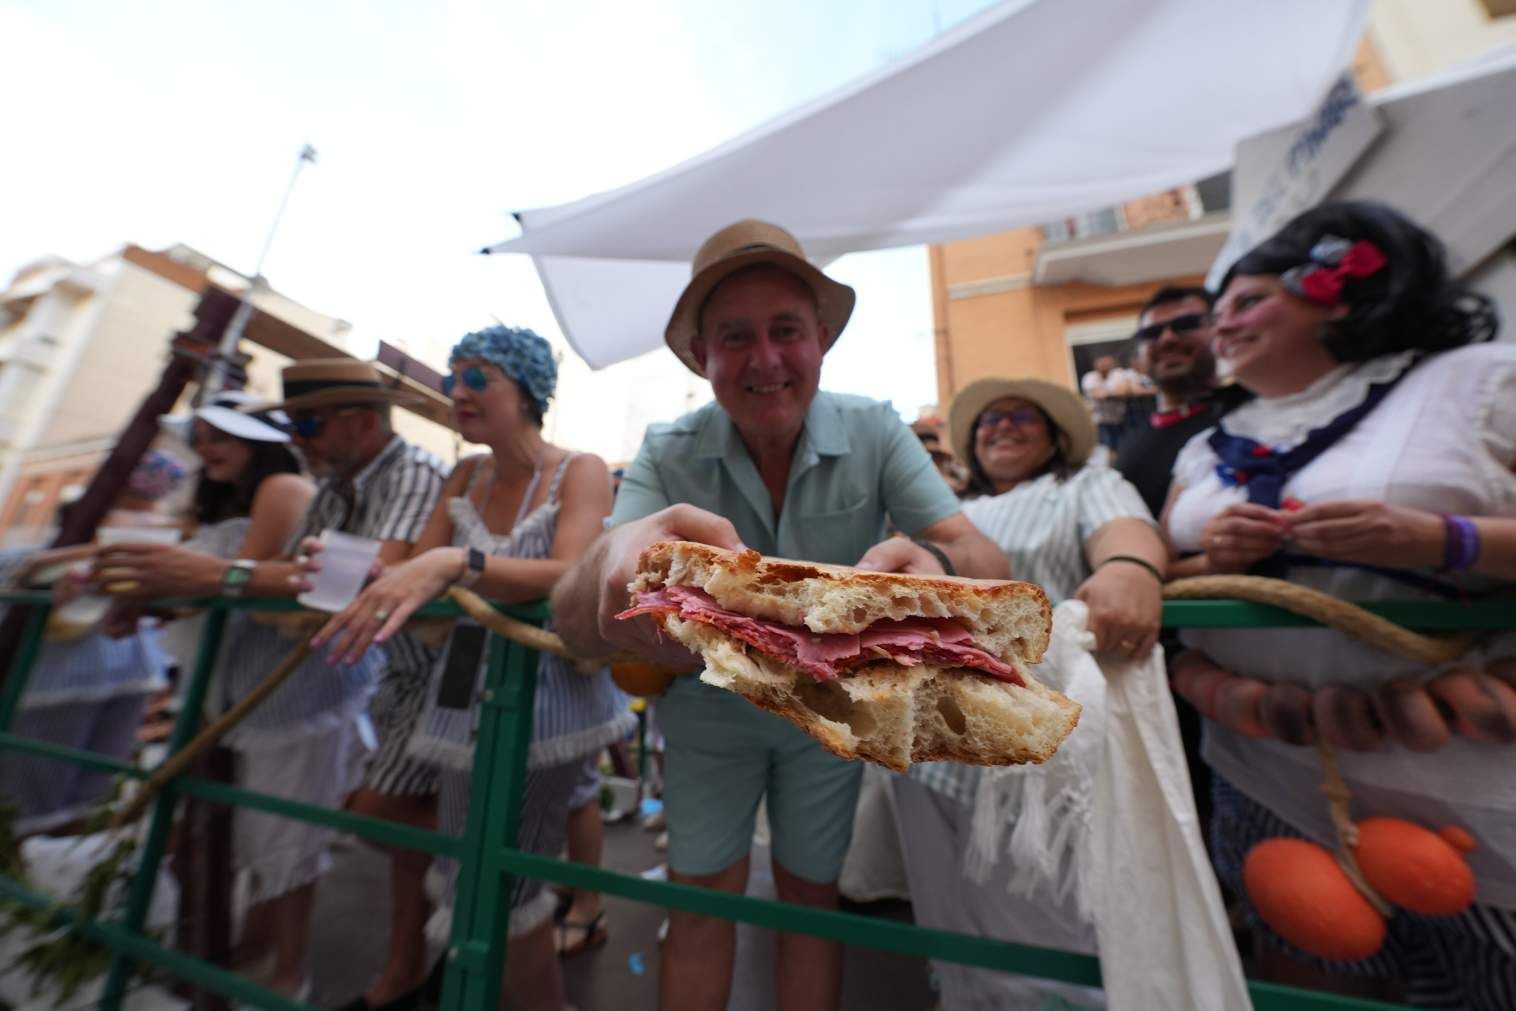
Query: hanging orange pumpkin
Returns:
{"type": "Point", "coordinates": [1305, 898]}
{"type": "Point", "coordinates": [639, 678]}
{"type": "Point", "coordinates": [1414, 867]}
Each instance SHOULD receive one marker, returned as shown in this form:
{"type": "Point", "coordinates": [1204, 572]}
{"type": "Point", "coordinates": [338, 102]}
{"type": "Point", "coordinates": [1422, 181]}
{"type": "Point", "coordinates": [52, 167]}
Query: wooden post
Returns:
{"type": "Point", "coordinates": [189, 353]}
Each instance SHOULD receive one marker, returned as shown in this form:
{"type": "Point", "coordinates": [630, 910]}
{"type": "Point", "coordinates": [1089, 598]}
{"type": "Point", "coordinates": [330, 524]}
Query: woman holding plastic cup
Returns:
{"type": "Point", "coordinates": [87, 689]}
{"type": "Point", "coordinates": [306, 740]}
{"type": "Point", "coordinates": [509, 524]}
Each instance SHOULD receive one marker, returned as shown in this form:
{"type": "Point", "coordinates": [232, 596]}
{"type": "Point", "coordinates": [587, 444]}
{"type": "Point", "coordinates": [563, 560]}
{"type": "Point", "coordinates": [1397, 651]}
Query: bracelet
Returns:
{"type": "Point", "coordinates": [937, 553]}
{"type": "Point", "coordinates": [1135, 561]}
{"type": "Point", "coordinates": [1461, 544]}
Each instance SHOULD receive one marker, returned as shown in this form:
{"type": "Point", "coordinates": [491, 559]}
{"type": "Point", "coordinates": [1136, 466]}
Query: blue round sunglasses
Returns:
{"type": "Point", "coordinates": [473, 377]}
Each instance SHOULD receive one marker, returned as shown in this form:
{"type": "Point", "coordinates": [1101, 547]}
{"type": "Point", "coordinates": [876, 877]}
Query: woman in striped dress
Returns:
{"type": "Point", "coordinates": [1078, 530]}
{"type": "Point", "coordinates": [509, 525]}
{"type": "Point", "coordinates": [87, 689]}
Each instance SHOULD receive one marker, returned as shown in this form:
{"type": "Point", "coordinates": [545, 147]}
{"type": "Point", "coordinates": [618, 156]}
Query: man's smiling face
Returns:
{"type": "Point", "coordinates": [760, 345]}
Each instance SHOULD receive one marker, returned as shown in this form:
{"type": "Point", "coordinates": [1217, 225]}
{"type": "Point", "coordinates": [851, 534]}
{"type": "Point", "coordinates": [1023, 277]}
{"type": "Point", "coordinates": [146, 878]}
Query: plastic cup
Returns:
{"type": "Point", "coordinates": [106, 536]}
{"type": "Point", "coordinates": [345, 564]}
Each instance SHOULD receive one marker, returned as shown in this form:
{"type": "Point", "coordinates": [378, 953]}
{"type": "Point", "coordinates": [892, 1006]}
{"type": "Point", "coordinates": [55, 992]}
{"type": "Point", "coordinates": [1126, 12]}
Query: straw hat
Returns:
{"type": "Point", "coordinates": [1075, 428]}
{"type": "Point", "coordinates": [337, 382]}
{"type": "Point", "coordinates": [746, 244]}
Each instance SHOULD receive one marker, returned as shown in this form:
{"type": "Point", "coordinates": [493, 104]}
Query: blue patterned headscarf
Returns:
{"type": "Point", "coordinates": [518, 352]}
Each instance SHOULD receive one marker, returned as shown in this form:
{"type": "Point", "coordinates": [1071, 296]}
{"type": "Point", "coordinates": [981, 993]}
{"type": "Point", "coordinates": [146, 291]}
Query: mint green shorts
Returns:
{"type": "Point", "coordinates": [722, 754]}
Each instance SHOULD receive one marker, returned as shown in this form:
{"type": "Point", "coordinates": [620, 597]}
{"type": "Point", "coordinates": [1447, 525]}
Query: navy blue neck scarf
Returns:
{"type": "Point", "coordinates": [1263, 471]}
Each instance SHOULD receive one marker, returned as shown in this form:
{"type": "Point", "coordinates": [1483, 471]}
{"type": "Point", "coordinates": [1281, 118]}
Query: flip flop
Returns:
{"type": "Point", "coordinates": [590, 935]}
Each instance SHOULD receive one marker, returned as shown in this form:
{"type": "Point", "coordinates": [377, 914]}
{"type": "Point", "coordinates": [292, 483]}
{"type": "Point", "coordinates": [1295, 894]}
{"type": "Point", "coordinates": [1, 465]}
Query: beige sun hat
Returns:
{"type": "Point", "coordinates": [337, 382]}
{"type": "Point", "coordinates": [746, 244]}
{"type": "Point", "coordinates": [1076, 429]}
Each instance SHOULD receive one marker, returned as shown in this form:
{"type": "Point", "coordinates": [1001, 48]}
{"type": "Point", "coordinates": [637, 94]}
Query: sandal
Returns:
{"type": "Point", "coordinates": [590, 935]}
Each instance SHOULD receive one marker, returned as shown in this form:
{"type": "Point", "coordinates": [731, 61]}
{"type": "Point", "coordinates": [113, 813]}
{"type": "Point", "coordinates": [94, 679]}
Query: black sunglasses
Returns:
{"type": "Point", "coordinates": [1188, 323]}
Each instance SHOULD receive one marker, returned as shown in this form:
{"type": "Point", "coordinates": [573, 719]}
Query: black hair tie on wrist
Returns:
{"type": "Point", "coordinates": [937, 553]}
{"type": "Point", "coordinates": [1135, 561]}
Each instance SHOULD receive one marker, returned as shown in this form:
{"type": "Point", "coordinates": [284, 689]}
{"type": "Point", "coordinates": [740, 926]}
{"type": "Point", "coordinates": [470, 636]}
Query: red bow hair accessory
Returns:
{"type": "Point", "coordinates": [1333, 261]}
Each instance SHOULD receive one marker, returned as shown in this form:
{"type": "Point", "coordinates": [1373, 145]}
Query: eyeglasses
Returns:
{"type": "Point", "coordinates": [310, 425]}
{"type": "Point", "coordinates": [1188, 323]}
{"type": "Point", "coordinates": [473, 377]}
{"type": "Point", "coordinates": [1021, 417]}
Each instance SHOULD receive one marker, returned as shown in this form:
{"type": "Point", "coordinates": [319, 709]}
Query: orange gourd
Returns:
{"type": "Point", "coordinates": [636, 677]}
{"type": "Point", "coordinates": [1304, 896]}
{"type": "Point", "coordinates": [1414, 867]}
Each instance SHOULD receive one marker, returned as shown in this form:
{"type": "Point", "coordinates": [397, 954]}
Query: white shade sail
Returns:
{"type": "Point", "coordinates": [1033, 111]}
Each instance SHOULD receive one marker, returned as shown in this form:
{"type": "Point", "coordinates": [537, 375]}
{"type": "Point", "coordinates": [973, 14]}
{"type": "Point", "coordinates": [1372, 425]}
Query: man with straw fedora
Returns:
{"type": "Point", "coordinates": [776, 465]}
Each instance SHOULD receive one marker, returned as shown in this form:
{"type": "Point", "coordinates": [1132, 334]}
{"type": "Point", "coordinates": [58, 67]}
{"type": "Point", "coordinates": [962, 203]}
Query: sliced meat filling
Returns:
{"type": "Point", "coordinates": [825, 656]}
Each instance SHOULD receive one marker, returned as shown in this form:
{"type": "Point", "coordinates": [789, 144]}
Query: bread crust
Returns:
{"type": "Point", "coordinates": [1008, 618]}
{"type": "Point", "coordinates": [893, 715]}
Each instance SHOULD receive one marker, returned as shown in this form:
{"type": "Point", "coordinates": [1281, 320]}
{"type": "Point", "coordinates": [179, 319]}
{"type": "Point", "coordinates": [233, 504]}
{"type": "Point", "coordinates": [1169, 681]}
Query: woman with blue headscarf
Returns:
{"type": "Point", "coordinates": [508, 525]}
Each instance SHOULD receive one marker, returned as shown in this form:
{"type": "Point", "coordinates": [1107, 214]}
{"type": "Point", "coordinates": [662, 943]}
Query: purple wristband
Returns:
{"type": "Point", "coordinates": [1461, 545]}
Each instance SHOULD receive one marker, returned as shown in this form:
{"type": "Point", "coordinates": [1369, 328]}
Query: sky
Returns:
{"type": "Point", "coordinates": [168, 121]}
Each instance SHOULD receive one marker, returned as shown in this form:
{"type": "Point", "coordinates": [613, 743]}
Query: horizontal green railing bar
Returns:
{"type": "Point", "coordinates": [375, 829]}
{"type": "Point", "coordinates": [145, 949]}
{"type": "Point", "coordinates": [535, 611]}
{"type": "Point", "coordinates": [903, 938]}
{"type": "Point", "coordinates": [76, 756]}
{"type": "Point", "coordinates": [1430, 615]}
{"type": "Point", "coordinates": [1433, 615]}
{"type": "Point", "coordinates": [887, 935]}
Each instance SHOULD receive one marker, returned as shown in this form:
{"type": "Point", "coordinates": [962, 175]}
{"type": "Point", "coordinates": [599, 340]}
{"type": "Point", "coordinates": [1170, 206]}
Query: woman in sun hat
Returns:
{"type": "Point", "coordinates": [305, 741]}
{"type": "Point", "coordinates": [1078, 530]}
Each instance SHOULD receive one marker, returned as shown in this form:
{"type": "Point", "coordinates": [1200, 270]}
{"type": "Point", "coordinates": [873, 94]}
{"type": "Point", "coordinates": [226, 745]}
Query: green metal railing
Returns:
{"type": "Point", "coordinates": [488, 861]}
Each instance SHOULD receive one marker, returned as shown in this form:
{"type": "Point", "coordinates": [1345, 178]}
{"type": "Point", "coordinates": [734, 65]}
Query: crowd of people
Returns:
{"type": "Point", "coordinates": [1364, 444]}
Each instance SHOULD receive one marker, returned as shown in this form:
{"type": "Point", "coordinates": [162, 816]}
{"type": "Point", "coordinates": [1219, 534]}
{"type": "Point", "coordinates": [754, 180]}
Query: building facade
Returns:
{"type": "Point", "coordinates": [1047, 301]}
{"type": "Point", "coordinates": [82, 344]}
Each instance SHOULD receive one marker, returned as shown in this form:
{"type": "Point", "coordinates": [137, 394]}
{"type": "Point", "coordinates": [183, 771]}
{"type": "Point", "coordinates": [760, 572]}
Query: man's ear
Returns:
{"type": "Point", "coordinates": [697, 349]}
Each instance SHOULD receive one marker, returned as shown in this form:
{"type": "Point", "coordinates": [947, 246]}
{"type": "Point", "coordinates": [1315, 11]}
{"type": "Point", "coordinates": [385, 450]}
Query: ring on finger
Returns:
{"type": "Point", "coordinates": [382, 614]}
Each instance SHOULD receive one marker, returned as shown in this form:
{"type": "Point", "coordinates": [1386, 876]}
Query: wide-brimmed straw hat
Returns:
{"type": "Point", "coordinates": [232, 412]}
{"type": "Point", "coordinates": [1075, 428]}
{"type": "Point", "coordinates": [338, 382]}
{"type": "Point", "coordinates": [746, 244]}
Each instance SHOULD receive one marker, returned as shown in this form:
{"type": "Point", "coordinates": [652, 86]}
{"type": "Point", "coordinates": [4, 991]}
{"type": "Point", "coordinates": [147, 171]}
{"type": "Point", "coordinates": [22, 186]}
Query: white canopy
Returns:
{"type": "Point", "coordinates": [1033, 111]}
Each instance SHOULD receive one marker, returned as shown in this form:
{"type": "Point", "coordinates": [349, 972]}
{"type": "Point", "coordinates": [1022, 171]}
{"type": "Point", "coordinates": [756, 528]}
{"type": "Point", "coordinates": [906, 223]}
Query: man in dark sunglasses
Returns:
{"type": "Point", "coordinates": [1172, 347]}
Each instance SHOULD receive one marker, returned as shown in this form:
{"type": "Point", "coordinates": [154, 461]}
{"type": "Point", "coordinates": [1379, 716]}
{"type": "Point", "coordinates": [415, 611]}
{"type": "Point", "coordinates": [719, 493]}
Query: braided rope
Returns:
{"type": "Point", "coordinates": [1345, 617]}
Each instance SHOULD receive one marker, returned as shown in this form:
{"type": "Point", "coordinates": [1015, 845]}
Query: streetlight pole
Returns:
{"type": "Point", "coordinates": [215, 380]}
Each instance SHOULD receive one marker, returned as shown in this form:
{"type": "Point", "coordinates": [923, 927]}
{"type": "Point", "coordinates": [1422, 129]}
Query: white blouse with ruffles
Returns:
{"type": "Point", "coordinates": [1443, 440]}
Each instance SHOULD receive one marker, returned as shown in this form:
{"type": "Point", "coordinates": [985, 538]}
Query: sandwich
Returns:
{"type": "Point", "coordinates": [885, 667]}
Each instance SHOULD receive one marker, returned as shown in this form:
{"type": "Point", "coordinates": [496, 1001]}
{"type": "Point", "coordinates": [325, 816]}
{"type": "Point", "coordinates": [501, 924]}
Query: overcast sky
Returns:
{"type": "Point", "coordinates": [168, 121]}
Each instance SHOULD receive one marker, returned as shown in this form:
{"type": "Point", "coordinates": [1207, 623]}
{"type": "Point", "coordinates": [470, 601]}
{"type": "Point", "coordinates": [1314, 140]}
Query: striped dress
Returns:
{"type": "Point", "coordinates": [575, 716]}
{"type": "Point", "coordinates": [87, 693]}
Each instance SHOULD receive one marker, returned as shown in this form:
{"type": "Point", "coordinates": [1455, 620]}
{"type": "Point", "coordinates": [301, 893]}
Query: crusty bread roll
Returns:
{"type": "Point", "coordinates": [881, 711]}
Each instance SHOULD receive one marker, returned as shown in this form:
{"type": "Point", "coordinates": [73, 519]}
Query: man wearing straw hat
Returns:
{"type": "Point", "coordinates": [778, 466]}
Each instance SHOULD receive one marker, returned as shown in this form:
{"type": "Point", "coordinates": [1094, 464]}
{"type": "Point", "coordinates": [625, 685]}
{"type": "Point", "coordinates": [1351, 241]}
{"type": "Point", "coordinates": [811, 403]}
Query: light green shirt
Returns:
{"type": "Point", "coordinates": [856, 463]}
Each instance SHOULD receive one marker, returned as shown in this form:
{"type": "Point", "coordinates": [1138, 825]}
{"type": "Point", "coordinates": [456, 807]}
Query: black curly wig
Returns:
{"type": "Point", "coordinates": [1412, 304]}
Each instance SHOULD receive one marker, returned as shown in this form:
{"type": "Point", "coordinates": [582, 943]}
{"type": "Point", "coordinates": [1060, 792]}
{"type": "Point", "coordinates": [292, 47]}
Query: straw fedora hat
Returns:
{"type": "Point", "coordinates": [746, 244]}
{"type": "Point", "coordinates": [1075, 433]}
{"type": "Point", "coordinates": [337, 382]}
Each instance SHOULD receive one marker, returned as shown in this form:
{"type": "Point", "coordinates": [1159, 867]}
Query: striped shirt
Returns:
{"type": "Point", "coordinates": [1042, 526]}
{"type": "Point", "coordinates": [390, 499]}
